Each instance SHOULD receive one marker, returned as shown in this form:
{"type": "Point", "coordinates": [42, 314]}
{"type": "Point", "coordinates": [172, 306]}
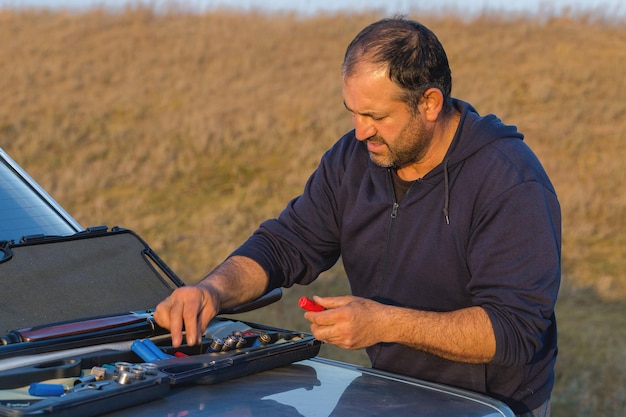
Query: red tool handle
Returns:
{"type": "Point", "coordinates": [309, 305]}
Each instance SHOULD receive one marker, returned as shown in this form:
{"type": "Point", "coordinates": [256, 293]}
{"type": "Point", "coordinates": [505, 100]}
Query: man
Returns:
{"type": "Point", "coordinates": [447, 225]}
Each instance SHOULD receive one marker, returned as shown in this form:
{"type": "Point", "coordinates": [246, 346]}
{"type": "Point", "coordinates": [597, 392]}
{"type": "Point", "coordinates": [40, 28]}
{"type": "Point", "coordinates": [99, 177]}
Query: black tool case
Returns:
{"type": "Point", "coordinates": [74, 315]}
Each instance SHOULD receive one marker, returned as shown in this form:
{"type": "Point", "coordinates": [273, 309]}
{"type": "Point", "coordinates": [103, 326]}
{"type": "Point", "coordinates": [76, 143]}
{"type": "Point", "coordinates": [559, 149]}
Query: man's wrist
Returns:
{"type": "Point", "coordinates": [211, 293]}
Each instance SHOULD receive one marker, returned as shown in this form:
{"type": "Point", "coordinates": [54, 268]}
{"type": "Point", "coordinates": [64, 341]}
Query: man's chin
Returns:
{"type": "Point", "coordinates": [381, 161]}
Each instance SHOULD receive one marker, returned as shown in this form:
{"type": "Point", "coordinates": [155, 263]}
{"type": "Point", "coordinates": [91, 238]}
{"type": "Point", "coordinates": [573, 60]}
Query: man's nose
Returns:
{"type": "Point", "coordinates": [363, 128]}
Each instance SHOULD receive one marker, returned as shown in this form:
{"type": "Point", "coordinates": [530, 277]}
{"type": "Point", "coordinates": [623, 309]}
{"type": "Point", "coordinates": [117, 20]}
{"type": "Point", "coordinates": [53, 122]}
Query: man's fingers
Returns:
{"type": "Point", "coordinates": [162, 314]}
{"type": "Point", "coordinates": [333, 302]}
{"type": "Point", "coordinates": [347, 324]}
{"type": "Point", "coordinates": [184, 310]}
{"type": "Point", "coordinates": [176, 323]}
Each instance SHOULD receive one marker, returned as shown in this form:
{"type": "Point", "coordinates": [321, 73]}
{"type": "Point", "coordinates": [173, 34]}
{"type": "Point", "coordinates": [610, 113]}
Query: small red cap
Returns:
{"type": "Point", "coordinates": [309, 305]}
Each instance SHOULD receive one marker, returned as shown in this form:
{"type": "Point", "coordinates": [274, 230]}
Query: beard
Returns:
{"type": "Point", "coordinates": [408, 147]}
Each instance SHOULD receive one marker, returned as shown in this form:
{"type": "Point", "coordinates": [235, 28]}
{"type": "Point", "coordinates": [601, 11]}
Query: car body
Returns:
{"type": "Point", "coordinates": [312, 387]}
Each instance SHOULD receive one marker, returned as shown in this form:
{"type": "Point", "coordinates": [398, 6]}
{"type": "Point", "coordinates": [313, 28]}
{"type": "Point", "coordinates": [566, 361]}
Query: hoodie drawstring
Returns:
{"type": "Point", "coordinates": [446, 198]}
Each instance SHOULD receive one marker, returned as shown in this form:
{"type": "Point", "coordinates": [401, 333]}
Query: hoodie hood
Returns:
{"type": "Point", "coordinates": [483, 130]}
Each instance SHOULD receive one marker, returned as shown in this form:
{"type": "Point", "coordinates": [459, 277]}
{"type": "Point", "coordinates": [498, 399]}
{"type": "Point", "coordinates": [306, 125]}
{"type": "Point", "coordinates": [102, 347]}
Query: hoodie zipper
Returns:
{"type": "Point", "coordinates": [394, 214]}
{"type": "Point", "coordinates": [394, 211]}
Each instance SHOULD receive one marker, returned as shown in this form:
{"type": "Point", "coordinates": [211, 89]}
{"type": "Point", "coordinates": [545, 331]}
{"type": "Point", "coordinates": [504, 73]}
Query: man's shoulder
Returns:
{"type": "Point", "coordinates": [504, 164]}
{"type": "Point", "coordinates": [508, 154]}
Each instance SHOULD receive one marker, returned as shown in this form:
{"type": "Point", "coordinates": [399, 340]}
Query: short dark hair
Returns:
{"type": "Point", "coordinates": [414, 56]}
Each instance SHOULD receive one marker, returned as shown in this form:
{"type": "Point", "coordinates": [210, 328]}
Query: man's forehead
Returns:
{"type": "Point", "coordinates": [366, 68]}
{"type": "Point", "coordinates": [370, 82]}
{"type": "Point", "coordinates": [376, 96]}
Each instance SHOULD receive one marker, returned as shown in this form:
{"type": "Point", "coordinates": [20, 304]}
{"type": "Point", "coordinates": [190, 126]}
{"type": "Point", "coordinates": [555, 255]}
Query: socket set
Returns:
{"type": "Point", "coordinates": [90, 392]}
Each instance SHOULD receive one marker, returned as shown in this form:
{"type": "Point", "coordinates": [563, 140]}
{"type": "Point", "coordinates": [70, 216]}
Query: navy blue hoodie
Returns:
{"type": "Point", "coordinates": [481, 229]}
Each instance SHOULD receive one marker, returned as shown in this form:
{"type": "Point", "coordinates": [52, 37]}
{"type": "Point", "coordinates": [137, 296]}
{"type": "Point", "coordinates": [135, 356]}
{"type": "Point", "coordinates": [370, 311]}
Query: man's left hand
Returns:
{"type": "Point", "coordinates": [348, 322]}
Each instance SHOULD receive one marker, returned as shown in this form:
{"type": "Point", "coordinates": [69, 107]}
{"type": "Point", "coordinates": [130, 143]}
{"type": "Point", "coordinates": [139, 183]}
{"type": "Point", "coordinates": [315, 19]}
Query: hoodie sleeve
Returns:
{"type": "Point", "coordinates": [514, 257]}
{"type": "Point", "coordinates": [304, 240]}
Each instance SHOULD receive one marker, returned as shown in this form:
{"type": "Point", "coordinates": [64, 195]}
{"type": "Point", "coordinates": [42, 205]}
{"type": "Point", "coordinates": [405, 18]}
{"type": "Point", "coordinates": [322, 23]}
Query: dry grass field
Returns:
{"type": "Point", "coordinates": [192, 128]}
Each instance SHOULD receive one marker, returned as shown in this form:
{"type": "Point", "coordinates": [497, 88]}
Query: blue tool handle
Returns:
{"type": "Point", "coordinates": [155, 349]}
{"type": "Point", "coordinates": [143, 351]}
{"type": "Point", "coordinates": [40, 389]}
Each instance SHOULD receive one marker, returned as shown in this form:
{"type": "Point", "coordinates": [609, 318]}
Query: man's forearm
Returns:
{"type": "Point", "coordinates": [464, 335]}
{"type": "Point", "coordinates": [236, 281]}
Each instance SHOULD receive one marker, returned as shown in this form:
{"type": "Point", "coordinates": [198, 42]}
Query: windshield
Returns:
{"type": "Point", "coordinates": [26, 209]}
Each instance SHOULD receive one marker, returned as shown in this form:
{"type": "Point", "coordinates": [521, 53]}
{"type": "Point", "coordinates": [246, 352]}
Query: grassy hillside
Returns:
{"type": "Point", "coordinates": [190, 129]}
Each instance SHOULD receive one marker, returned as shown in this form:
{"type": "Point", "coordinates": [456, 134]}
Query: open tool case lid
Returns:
{"type": "Point", "coordinates": [53, 282]}
{"type": "Point", "coordinates": [96, 272]}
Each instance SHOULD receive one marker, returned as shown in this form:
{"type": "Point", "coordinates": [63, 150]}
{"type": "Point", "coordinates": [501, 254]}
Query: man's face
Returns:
{"type": "Point", "coordinates": [395, 136]}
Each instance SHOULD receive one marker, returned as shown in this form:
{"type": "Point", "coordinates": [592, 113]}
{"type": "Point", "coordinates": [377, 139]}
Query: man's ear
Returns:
{"type": "Point", "coordinates": [431, 105]}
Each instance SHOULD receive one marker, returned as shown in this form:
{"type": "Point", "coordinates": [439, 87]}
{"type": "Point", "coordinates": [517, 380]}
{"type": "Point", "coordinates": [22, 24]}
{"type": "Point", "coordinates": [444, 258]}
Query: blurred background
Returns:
{"type": "Point", "coordinates": [191, 122]}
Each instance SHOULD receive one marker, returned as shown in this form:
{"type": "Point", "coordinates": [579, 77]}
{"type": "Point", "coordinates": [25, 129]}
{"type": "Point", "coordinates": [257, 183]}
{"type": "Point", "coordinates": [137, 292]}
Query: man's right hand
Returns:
{"type": "Point", "coordinates": [236, 281]}
{"type": "Point", "coordinates": [188, 308]}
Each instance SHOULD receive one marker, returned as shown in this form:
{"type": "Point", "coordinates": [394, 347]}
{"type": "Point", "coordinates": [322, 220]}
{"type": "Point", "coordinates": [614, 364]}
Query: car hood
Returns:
{"type": "Point", "coordinates": [316, 388]}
